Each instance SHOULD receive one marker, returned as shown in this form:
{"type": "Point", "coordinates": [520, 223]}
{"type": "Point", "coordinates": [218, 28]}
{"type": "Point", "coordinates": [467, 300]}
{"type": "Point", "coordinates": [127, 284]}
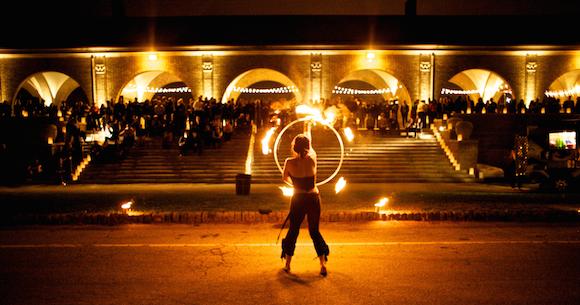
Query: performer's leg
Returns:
{"type": "Point", "coordinates": [313, 228]}
{"type": "Point", "coordinates": [297, 214]}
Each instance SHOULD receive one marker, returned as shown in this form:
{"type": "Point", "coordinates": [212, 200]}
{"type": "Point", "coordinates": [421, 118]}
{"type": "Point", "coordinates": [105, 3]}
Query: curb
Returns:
{"type": "Point", "coordinates": [251, 217]}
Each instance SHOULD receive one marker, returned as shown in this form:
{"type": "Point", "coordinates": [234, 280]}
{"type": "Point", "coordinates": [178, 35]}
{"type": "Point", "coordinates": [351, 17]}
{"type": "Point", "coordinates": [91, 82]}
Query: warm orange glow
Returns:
{"type": "Point", "coordinates": [370, 56]}
{"type": "Point", "coordinates": [348, 133]}
{"type": "Point", "coordinates": [250, 156]}
{"type": "Point", "coordinates": [127, 205]}
{"type": "Point", "coordinates": [266, 141]}
{"type": "Point", "coordinates": [380, 205]}
{"type": "Point", "coordinates": [339, 186]}
{"type": "Point", "coordinates": [152, 57]}
{"type": "Point", "coordinates": [286, 191]}
{"type": "Point", "coordinates": [50, 140]}
{"type": "Point", "coordinates": [305, 109]}
{"type": "Point", "coordinates": [315, 114]}
{"type": "Point", "coordinates": [305, 119]}
{"type": "Point", "coordinates": [382, 202]}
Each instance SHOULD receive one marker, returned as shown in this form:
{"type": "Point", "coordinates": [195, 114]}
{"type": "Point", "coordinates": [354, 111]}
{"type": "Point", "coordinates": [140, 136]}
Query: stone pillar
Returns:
{"type": "Point", "coordinates": [426, 76]}
{"type": "Point", "coordinates": [99, 70]}
{"type": "Point", "coordinates": [531, 78]}
{"type": "Point", "coordinates": [315, 77]}
{"type": "Point", "coordinates": [207, 75]}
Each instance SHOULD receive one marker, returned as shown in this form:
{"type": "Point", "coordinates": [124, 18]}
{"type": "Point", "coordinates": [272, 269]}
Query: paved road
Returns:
{"type": "Point", "coordinates": [370, 263]}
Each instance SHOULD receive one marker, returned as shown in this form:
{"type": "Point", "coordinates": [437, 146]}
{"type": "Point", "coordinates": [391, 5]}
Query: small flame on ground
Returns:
{"type": "Point", "coordinates": [127, 205]}
{"type": "Point", "coordinates": [340, 184]}
{"type": "Point", "coordinates": [348, 133]}
{"type": "Point", "coordinates": [266, 141]}
{"type": "Point", "coordinates": [286, 191]}
{"type": "Point", "coordinates": [382, 202]}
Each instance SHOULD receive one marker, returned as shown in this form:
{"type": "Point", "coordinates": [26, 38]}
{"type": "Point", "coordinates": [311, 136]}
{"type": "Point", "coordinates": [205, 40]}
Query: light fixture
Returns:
{"type": "Point", "coordinates": [152, 56]}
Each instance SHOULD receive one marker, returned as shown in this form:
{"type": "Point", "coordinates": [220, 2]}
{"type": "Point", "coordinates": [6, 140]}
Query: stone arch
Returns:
{"type": "Point", "coordinates": [49, 86]}
{"type": "Point", "coordinates": [488, 84]}
{"type": "Point", "coordinates": [380, 79]}
{"type": "Point", "coordinates": [568, 84]}
{"type": "Point", "coordinates": [258, 75]}
{"type": "Point", "coordinates": [138, 86]}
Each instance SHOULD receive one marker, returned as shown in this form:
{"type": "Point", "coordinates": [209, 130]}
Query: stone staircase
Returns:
{"type": "Point", "coordinates": [150, 163]}
{"type": "Point", "coordinates": [370, 158]}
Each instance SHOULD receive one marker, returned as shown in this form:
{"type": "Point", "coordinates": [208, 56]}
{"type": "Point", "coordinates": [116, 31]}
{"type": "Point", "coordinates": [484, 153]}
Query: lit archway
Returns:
{"type": "Point", "coordinates": [482, 83]}
{"type": "Point", "coordinates": [256, 76]}
{"type": "Point", "coordinates": [51, 87]}
{"type": "Point", "coordinates": [568, 84]}
{"type": "Point", "coordinates": [370, 86]}
{"type": "Point", "coordinates": [146, 84]}
{"type": "Point", "coordinates": [382, 82]}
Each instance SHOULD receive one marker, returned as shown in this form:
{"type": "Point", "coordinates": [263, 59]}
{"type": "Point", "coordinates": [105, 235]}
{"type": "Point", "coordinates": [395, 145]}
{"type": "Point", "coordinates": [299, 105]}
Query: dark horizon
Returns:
{"type": "Point", "coordinates": [282, 30]}
{"type": "Point", "coordinates": [174, 8]}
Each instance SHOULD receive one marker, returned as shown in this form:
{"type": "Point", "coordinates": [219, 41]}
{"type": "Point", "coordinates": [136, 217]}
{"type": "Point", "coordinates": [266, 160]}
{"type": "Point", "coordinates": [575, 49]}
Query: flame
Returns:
{"type": "Point", "coordinates": [382, 202]}
{"type": "Point", "coordinates": [315, 114]}
{"type": "Point", "coordinates": [305, 109]}
{"type": "Point", "coordinates": [348, 133]}
{"type": "Point", "coordinates": [286, 191]}
{"type": "Point", "coordinates": [330, 116]}
{"type": "Point", "coordinates": [340, 184]}
{"type": "Point", "coordinates": [126, 205]}
{"type": "Point", "coordinates": [266, 141]}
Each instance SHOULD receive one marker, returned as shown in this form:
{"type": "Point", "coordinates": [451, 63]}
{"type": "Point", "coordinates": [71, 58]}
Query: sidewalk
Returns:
{"type": "Point", "coordinates": [201, 203]}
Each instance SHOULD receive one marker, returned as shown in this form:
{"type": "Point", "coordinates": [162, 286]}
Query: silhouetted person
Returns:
{"type": "Point", "coordinates": [301, 172]}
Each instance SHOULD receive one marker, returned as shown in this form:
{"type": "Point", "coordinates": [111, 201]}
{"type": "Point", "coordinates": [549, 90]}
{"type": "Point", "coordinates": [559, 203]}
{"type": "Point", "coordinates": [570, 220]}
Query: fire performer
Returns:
{"type": "Point", "coordinates": [300, 170]}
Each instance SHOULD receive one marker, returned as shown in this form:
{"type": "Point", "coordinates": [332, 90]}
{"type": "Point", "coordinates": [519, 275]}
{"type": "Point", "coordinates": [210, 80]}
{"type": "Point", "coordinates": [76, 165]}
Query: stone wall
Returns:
{"type": "Point", "coordinates": [116, 69]}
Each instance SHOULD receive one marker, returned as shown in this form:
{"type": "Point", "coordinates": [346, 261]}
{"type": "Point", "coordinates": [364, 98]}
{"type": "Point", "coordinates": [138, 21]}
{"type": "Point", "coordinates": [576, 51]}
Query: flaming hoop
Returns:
{"type": "Point", "coordinates": [323, 122]}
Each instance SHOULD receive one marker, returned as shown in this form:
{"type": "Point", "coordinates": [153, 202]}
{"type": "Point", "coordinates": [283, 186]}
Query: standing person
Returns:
{"type": "Point", "coordinates": [404, 112]}
{"type": "Point", "coordinates": [301, 172]}
{"type": "Point", "coordinates": [422, 114]}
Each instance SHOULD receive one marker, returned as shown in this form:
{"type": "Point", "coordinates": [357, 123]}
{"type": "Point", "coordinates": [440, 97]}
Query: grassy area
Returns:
{"type": "Point", "coordinates": [403, 197]}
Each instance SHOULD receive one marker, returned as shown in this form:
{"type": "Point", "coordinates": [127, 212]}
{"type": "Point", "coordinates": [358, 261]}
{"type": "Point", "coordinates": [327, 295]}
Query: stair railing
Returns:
{"type": "Point", "coordinates": [446, 149]}
{"type": "Point", "coordinates": [250, 156]}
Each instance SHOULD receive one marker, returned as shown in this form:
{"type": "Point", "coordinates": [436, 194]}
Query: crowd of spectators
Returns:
{"type": "Point", "coordinates": [381, 114]}
{"type": "Point", "coordinates": [166, 116]}
{"type": "Point", "coordinates": [192, 125]}
{"type": "Point", "coordinates": [197, 124]}
{"type": "Point", "coordinates": [213, 122]}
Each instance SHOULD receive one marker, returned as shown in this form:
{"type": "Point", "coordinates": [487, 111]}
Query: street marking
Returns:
{"type": "Point", "coordinates": [41, 246]}
{"type": "Point", "coordinates": [338, 244]}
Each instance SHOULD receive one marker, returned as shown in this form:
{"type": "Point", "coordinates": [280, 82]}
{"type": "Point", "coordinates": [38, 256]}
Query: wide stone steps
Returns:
{"type": "Point", "coordinates": [153, 164]}
{"type": "Point", "coordinates": [369, 159]}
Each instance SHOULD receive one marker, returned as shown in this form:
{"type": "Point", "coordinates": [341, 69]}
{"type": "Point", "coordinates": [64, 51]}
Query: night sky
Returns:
{"type": "Point", "coordinates": [61, 24]}
{"type": "Point", "coordinates": [137, 8]}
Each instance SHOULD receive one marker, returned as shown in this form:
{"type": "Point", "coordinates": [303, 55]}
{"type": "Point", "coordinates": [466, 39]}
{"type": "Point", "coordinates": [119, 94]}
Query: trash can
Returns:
{"type": "Point", "coordinates": [243, 184]}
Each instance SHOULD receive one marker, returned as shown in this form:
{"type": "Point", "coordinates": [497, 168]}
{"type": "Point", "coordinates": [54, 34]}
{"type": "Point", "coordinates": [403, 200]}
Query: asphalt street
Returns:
{"type": "Point", "coordinates": [370, 263]}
